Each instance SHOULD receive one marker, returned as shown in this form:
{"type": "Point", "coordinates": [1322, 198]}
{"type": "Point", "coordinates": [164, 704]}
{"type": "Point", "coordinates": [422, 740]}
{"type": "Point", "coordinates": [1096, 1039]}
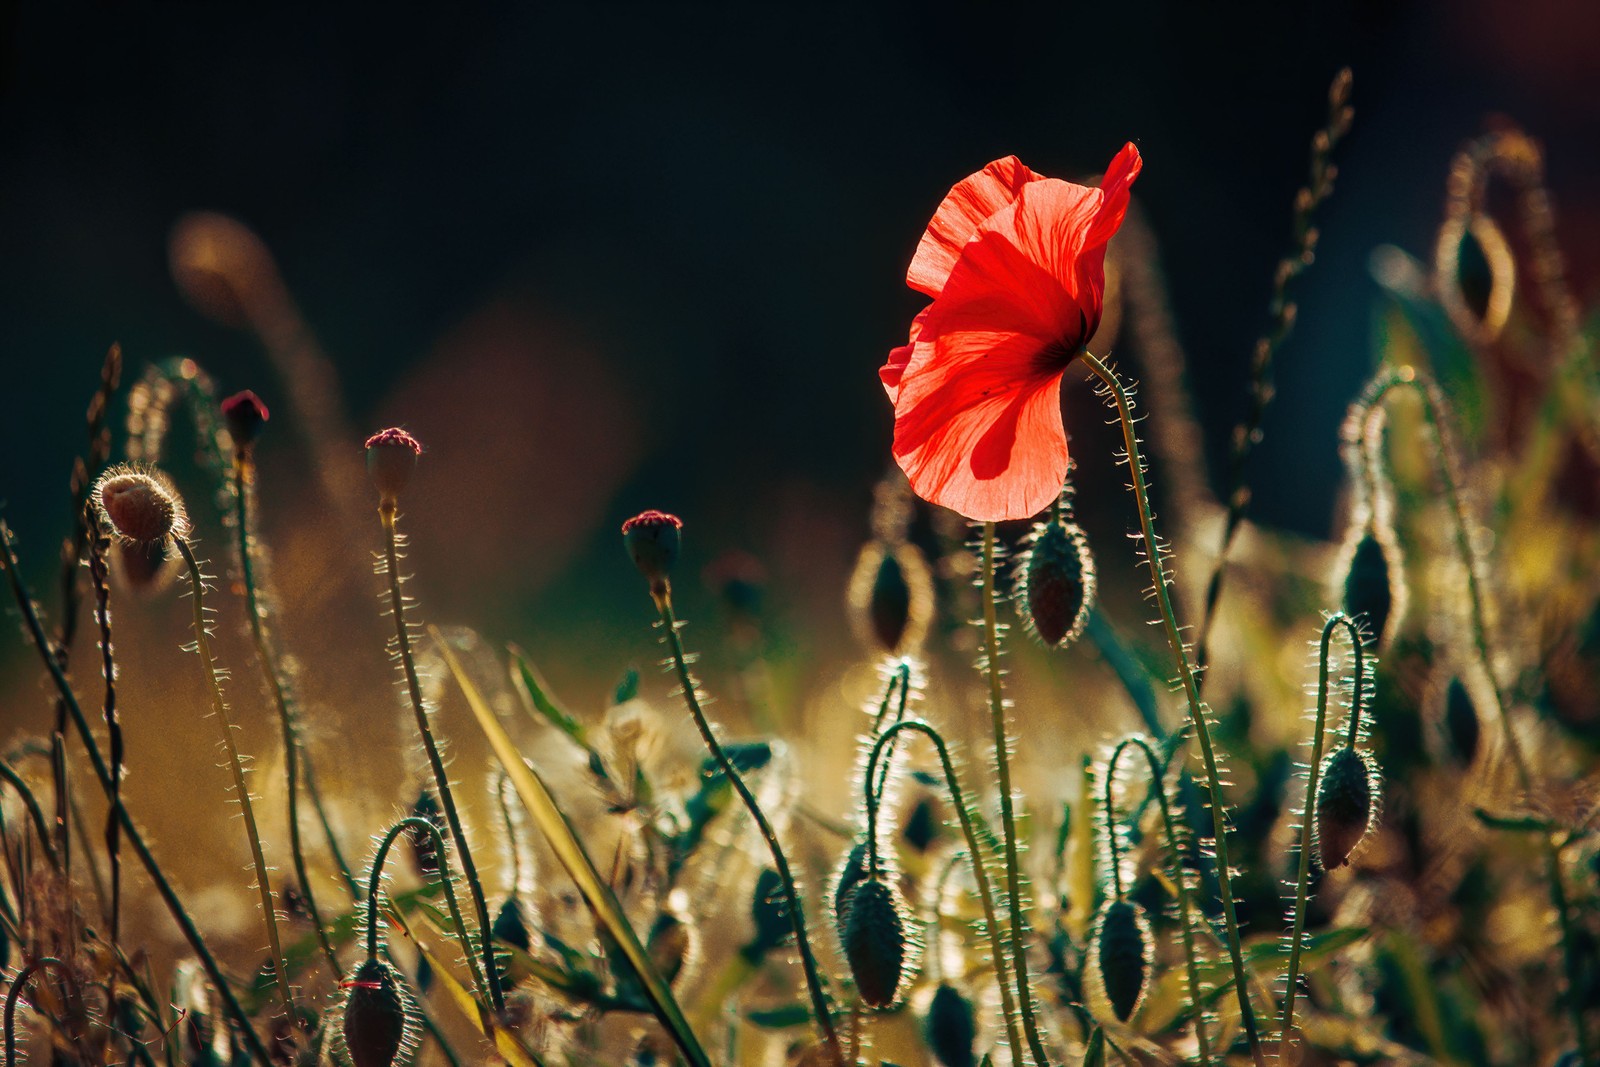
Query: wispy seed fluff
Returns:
{"type": "Point", "coordinates": [1055, 582]}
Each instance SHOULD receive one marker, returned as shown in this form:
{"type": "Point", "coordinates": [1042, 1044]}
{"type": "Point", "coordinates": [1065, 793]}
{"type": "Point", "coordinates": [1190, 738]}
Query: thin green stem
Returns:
{"type": "Point", "coordinates": [397, 608]}
{"type": "Point", "coordinates": [1180, 878]}
{"type": "Point", "coordinates": [808, 960]}
{"type": "Point", "coordinates": [169, 896]}
{"type": "Point", "coordinates": [219, 706]}
{"type": "Point", "coordinates": [1118, 394]}
{"type": "Point", "coordinates": [96, 543]}
{"type": "Point", "coordinates": [374, 891]}
{"type": "Point", "coordinates": [1444, 464]}
{"type": "Point", "coordinates": [1335, 622]}
{"type": "Point", "coordinates": [975, 857]}
{"type": "Point", "coordinates": [292, 746]}
{"type": "Point", "coordinates": [15, 992]}
{"type": "Point", "coordinates": [1017, 914]}
{"type": "Point", "coordinates": [40, 827]}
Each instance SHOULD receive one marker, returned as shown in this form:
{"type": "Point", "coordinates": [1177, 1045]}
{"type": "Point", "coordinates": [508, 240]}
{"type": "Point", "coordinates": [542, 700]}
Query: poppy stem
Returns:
{"type": "Point", "coordinates": [1303, 879]}
{"type": "Point", "coordinates": [269, 910]}
{"type": "Point", "coordinates": [997, 716]}
{"type": "Point", "coordinates": [1118, 394]}
{"type": "Point", "coordinates": [414, 824]}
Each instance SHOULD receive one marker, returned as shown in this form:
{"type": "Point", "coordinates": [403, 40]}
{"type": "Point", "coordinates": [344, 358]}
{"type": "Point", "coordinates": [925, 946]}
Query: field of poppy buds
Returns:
{"type": "Point", "coordinates": [1212, 793]}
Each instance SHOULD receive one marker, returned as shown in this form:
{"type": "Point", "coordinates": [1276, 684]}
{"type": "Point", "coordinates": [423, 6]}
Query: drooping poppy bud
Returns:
{"type": "Point", "coordinates": [375, 1016]}
{"type": "Point", "coordinates": [246, 416]}
{"type": "Point", "coordinates": [1344, 809]}
{"type": "Point", "coordinates": [1461, 721]}
{"type": "Point", "coordinates": [653, 539]}
{"type": "Point", "coordinates": [1056, 583]}
{"type": "Point", "coordinates": [875, 942]}
{"type": "Point", "coordinates": [1120, 955]}
{"type": "Point", "coordinates": [951, 1027]}
{"type": "Point", "coordinates": [849, 875]}
{"type": "Point", "coordinates": [1368, 589]}
{"type": "Point", "coordinates": [391, 460]}
{"type": "Point", "coordinates": [922, 827]}
{"type": "Point", "coordinates": [142, 507]}
{"type": "Point", "coordinates": [891, 596]}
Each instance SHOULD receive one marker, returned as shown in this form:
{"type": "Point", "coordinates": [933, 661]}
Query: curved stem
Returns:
{"type": "Point", "coordinates": [191, 933]}
{"type": "Point", "coordinates": [1180, 879]}
{"type": "Point", "coordinates": [902, 675]}
{"type": "Point", "coordinates": [1119, 396]}
{"type": "Point", "coordinates": [243, 468]}
{"type": "Point", "coordinates": [94, 539]}
{"type": "Point", "coordinates": [997, 716]}
{"type": "Point", "coordinates": [375, 885]}
{"type": "Point", "coordinates": [40, 827]}
{"type": "Point", "coordinates": [269, 909]}
{"type": "Point", "coordinates": [15, 992]}
{"type": "Point", "coordinates": [975, 857]}
{"type": "Point", "coordinates": [808, 960]}
{"type": "Point", "coordinates": [1302, 889]}
{"type": "Point", "coordinates": [397, 608]}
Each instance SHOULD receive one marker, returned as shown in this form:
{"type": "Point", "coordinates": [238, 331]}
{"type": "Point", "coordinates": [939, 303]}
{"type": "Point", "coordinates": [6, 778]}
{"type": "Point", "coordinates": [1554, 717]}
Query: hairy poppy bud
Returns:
{"type": "Point", "coordinates": [846, 878]}
{"type": "Point", "coordinates": [142, 568]}
{"type": "Point", "coordinates": [671, 945]}
{"type": "Point", "coordinates": [1120, 956]}
{"type": "Point", "coordinates": [922, 826]}
{"type": "Point", "coordinates": [246, 417]}
{"type": "Point", "coordinates": [951, 1027]}
{"type": "Point", "coordinates": [1056, 582]}
{"type": "Point", "coordinates": [891, 596]}
{"type": "Point", "coordinates": [1344, 808]}
{"type": "Point", "coordinates": [653, 539]}
{"type": "Point", "coordinates": [142, 507]}
{"type": "Point", "coordinates": [375, 1016]}
{"type": "Point", "coordinates": [1368, 593]}
{"type": "Point", "coordinates": [391, 460]}
{"type": "Point", "coordinates": [875, 942]}
{"type": "Point", "coordinates": [1461, 721]}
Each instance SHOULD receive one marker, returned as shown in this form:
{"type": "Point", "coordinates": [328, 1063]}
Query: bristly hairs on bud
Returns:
{"type": "Point", "coordinates": [1054, 577]}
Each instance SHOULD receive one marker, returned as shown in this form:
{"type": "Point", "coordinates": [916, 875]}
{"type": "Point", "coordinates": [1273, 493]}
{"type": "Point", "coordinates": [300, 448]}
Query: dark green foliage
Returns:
{"type": "Point", "coordinates": [951, 1027]}
{"type": "Point", "coordinates": [769, 912]}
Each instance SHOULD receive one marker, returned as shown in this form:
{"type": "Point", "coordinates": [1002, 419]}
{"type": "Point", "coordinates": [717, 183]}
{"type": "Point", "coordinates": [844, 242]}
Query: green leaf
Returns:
{"type": "Point", "coordinates": [790, 1015]}
{"type": "Point", "coordinates": [529, 682]}
{"type": "Point", "coordinates": [628, 688]}
{"type": "Point", "coordinates": [546, 814]}
{"type": "Point", "coordinates": [1094, 1055]}
{"type": "Point", "coordinates": [1515, 823]}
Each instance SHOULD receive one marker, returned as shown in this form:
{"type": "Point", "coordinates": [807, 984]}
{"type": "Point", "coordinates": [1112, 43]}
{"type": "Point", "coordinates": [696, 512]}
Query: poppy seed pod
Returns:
{"type": "Point", "coordinates": [246, 417]}
{"type": "Point", "coordinates": [1056, 583]}
{"type": "Point", "coordinates": [1120, 955]}
{"type": "Point", "coordinates": [1368, 594]}
{"type": "Point", "coordinates": [875, 943]}
{"type": "Point", "coordinates": [1344, 808]}
{"type": "Point", "coordinates": [375, 1016]}
{"type": "Point", "coordinates": [142, 507]}
{"type": "Point", "coordinates": [951, 1027]}
{"type": "Point", "coordinates": [653, 539]}
{"type": "Point", "coordinates": [391, 460]}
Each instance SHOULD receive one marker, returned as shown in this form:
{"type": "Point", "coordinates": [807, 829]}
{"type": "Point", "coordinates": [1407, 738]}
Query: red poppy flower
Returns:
{"type": "Point", "coordinates": [1015, 263]}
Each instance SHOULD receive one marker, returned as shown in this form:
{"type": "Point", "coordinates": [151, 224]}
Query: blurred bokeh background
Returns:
{"type": "Point", "coordinates": [608, 257]}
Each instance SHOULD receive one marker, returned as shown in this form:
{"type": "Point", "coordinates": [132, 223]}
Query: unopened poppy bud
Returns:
{"type": "Point", "coordinates": [1461, 721]}
{"type": "Point", "coordinates": [246, 417]}
{"type": "Point", "coordinates": [142, 568]}
{"type": "Point", "coordinates": [849, 875]}
{"type": "Point", "coordinates": [391, 460]}
{"type": "Point", "coordinates": [653, 539]}
{"type": "Point", "coordinates": [922, 826]}
{"type": "Point", "coordinates": [951, 1027]}
{"type": "Point", "coordinates": [769, 912]}
{"type": "Point", "coordinates": [143, 508]}
{"type": "Point", "coordinates": [1344, 808]}
{"type": "Point", "coordinates": [375, 1016]}
{"type": "Point", "coordinates": [671, 945]}
{"type": "Point", "coordinates": [875, 943]}
{"type": "Point", "coordinates": [1120, 956]}
{"type": "Point", "coordinates": [1056, 583]}
{"type": "Point", "coordinates": [1368, 593]}
{"type": "Point", "coordinates": [891, 596]}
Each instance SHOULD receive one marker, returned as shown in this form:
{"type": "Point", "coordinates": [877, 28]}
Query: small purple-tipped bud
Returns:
{"type": "Point", "coordinates": [391, 459]}
{"type": "Point", "coordinates": [653, 539]}
{"type": "Point", "coordinates": [246, 417]}
{"type": "Point", "coordinates": [141, 507]}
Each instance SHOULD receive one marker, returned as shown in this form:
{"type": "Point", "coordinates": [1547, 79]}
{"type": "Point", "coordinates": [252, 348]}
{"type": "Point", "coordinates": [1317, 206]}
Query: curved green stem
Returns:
{"type": "Point", "coordinates": [1335, 622]}
{"type": "Point", "coordinates": [1444, 464]}
{"type": "Point", "coordinates": [975, 857]}
{"type": "Point", "coordinates": [902, 677]}
{"type": "Point", "coordinates": [242, 476]}
{"type": "Point", "coordinates": [1118, 394]}
{"type": "Point", "coordinates": [219, 706]}
{"type": "Point", "coordinates": [22, 979]}
{"type": "Point", "coordinates": [808, 960]}
{"type": "Point", "coordinates": [191, 933]}
{"type": "Point", "coordinates": [40, 827]}
{"type": "Point", "coordinates": [397, 608]}
{"type": "Point", "coordinates": [1180, 879]}
{"type": "Point", "coordinates": [997, 716]}
{"type": "Point", "coordinates": [375, 885]}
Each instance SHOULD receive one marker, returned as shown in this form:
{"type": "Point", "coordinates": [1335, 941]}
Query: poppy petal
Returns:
{"type": "Point", "coordinates": [971, 201]}
{"type": "Point", "coordinates": [894, 367]}
{"type": "Point", "coordinates": [1124, 168]}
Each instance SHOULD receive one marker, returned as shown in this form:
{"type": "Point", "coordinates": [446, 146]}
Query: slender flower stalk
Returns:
{"type": "Point", "coordinates": [219, 706]}
{"type": "Point", "coordinates": [1118, 394]}
{"type": "Point", "coordinates": [130, 830]}
{"type": "Point", "coordinates": [96, 542]}
{"type": "Point", "coordinates": [976, 857]}
{"type": "Point", "coordinates": [415, 824]}
{"type": "Point", "coordinates": [9, 775]}
{"type": "Point", "coordinates": [1370, 409]}
{"type": "Point", "coordinates": [1336, 621]}
{"type": "Point", "coordinates": [997, 716]}
{"type": "Point", "coordinates": [1180, 878]}
{"type": "Point", "coordinates": [15, 993]}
